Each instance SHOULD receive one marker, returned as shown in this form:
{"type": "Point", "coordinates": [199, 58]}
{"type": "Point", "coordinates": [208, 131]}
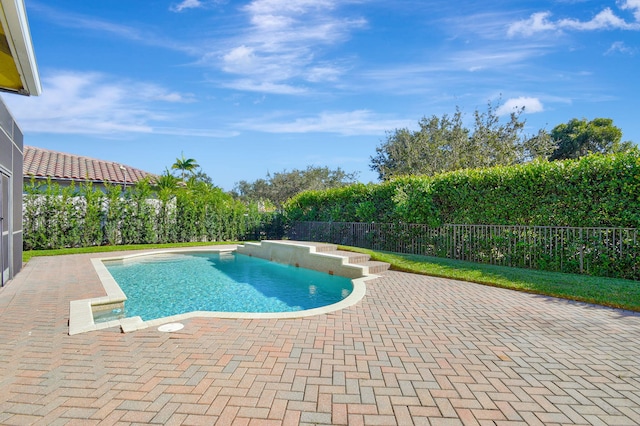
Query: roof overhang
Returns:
{"type": "Point", "coordinates": [18, 70]}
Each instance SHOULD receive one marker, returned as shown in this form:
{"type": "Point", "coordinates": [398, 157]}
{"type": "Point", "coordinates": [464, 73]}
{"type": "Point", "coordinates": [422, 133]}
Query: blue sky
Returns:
{"type": "Point", "coordinates": [251, 87]}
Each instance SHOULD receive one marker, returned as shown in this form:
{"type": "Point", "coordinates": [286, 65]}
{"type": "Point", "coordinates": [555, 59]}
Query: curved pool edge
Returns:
{"type": "Point", "coordinates": [81, 312]}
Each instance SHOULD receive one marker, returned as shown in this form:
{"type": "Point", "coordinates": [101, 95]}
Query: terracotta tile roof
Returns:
{"type": "Point", "coordinates": [43, 163]}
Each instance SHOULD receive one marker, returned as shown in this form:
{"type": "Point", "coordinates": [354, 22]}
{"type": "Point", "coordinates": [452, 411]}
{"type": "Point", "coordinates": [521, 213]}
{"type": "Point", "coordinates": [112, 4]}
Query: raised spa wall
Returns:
{"type": "Point", "coordinates": [317, 256]}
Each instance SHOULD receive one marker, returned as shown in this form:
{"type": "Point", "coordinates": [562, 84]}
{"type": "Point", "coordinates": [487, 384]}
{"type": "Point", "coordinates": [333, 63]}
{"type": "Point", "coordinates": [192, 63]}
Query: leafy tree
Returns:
{"type": "Point", "coordinates": [493, 143]}
{"type": "Point", "coordinates": [166, 181]}
{"type": "Point", "coordinates": [436, 147]}
{"type": "Point", "coordinates": [540, 146]}
{"type": "Point", "coordinates": [200, 176]}
{"type": "Point", "coordinates": [578, 138]}
{"type": "Point", "coordinates": [444, 144]}
{"type": "Point", "coordinates": [281, 186]}
{"type": "Point", "coordinates": [185, 165]}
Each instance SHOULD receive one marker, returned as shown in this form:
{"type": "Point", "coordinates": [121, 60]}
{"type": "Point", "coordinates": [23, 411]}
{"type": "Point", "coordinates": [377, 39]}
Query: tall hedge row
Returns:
{"type": "Point", "coordinates": [594, 191]}
{"type": "Point", "coordinates": [80, 216]}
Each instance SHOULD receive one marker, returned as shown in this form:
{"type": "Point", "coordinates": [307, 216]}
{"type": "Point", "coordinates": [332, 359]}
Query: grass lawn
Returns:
{"type": "Point", "coordinates": [26, 255]}
{"type": "Point", "coordinates": [613, 292]}
{"type": "Point", "coordinates": [617, 293]}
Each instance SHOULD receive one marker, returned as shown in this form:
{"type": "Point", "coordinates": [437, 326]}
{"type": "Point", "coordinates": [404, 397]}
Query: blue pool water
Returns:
{"type": "Point", "coordinates": [170, 284]}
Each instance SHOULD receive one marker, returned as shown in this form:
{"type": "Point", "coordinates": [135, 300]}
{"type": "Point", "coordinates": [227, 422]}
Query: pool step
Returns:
{"type": "Point", "coordinates": [354, 258]}
{"type": "Point", "coordinates": [313, 255]}
{"type": "Point", "coordinates": [319, 247]}
{"type": "Point", "coordinates": [374, 266]}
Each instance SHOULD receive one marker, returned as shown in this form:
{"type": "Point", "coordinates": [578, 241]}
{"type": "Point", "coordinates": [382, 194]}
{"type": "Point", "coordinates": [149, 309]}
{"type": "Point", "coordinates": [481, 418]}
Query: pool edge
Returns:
{"type": "Point", "coordinates": [81, 311]}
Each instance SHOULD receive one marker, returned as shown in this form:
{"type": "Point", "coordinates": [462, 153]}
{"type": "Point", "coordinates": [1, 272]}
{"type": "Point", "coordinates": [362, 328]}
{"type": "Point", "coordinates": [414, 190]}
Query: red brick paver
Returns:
{"type": "Point", "coordinates": [416, 350]}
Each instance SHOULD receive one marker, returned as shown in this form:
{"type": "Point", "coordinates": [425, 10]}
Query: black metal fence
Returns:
{"type": "Point", "coordinates": [612, 252]}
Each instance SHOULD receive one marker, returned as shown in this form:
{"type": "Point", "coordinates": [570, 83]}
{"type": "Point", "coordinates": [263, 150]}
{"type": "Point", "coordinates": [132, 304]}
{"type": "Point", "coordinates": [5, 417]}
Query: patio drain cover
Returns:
{"type": "Point", "coordinates": [171, 327]}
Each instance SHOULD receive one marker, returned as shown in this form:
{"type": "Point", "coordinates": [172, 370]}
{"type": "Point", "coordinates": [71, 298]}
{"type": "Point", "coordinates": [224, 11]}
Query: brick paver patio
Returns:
{"type": "Point", "coordinates": [416, 350]}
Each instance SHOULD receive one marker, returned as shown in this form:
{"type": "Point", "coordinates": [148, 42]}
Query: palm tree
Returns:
{"type": "Point", "coordinates": [185, 165]}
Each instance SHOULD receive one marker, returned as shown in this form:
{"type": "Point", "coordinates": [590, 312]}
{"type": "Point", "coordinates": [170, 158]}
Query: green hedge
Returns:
{"type": "Point", "coordinates": [81, 216]}
{"type": "Point", "coordinates": [594, 191]}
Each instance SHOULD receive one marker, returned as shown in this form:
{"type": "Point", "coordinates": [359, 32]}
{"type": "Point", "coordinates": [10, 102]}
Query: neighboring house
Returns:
{"type": "Point", "coordinates": [18, 75]}
{"type": "Point", "coordinates": [43, 164]}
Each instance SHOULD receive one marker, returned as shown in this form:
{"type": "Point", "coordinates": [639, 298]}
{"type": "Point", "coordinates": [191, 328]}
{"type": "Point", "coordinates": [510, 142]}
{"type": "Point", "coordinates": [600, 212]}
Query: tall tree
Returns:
{"type": "Point", "coordinates": [540, 146]}
{"type": "Point", "coordinates": [200, 176]}
{"type": "Point", "coordinates": [166, 181]}
{"type": "Point", "coordinates": [185, 165]}
{"type": "Point", "coordinates": [578, 138]}
{"type": "Point", "coordinates": [439, 145]}
{"type": "Point", "coordinates": [280, 186]}
{"type": "Point", "coordinates": [493, 143]}
{"type": "Point", "coordinates": [443, 144]}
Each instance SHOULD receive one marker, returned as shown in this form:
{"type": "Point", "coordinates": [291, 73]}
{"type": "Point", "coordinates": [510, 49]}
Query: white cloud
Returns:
{"type": "Point", "coordinates": [530, 105]}
{"type": "Point", "coordinates": [186, 4]}
{"type": "Point", "coordinates": [250, 85]}
{"type": "Point", "coordinates": [267, 7]}
{"type": "Point", "coordinates": [285, 41]}
{"type": "Point", "coordinates": [239, 59]}
{"type": "Point", "coordinates": [490, 58]}
{"type": "Point", "coordinates": [97, 104]}
{"type": "Point", "coordinates": [606, 19]}
{"type": "Point", "coordinates": [90, 23]}
{"type": "Point", "coordinates": [620, 47]}
{"type": "Point", "coordinates": [537, 22]}
{"type": "Point", "coordinates": [282, 44]}
{"type": "Point", "coordinates": [359, 122]}
{"type": "Point", "coordinates": [323, 73]}
{"type": "Point", "coordinates": [634, 6]}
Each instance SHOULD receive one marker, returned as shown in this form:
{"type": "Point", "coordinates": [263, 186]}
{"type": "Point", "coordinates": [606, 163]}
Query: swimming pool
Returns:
{"type": "Point", "coordinates": [163, 285]}
{"type": "Point", "coordinates": [97, 313]}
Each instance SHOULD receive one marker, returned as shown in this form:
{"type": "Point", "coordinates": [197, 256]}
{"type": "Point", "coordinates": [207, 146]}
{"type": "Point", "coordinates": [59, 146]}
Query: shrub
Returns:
{"type": "Point", "coordinates": [56, 217]}
{"type": "Point", "coordinates": [593, 191]}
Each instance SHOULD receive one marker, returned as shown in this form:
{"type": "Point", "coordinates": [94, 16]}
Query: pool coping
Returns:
{"type": "Point", "coordinates": [81, 311]}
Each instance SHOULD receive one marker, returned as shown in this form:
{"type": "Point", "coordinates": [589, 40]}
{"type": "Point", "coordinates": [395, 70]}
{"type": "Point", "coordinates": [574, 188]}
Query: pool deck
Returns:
{"type": "Point", "coordinates": [416, 350]}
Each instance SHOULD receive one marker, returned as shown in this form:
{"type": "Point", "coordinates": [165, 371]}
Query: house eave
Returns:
{"type": "Point", "coordinates": [13, 18]}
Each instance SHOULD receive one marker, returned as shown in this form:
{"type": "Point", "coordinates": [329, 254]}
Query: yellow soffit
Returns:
{"type": "Point", "coordinates": [9, 75]}
{"type": "Point", "coordinates": [18, 70]}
